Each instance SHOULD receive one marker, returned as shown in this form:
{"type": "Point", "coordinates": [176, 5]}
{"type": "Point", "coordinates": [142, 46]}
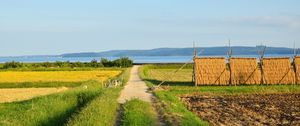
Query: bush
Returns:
{"type": "Point", "coordinates": [106, 63]}
{"type": "Point", "coordinates": [122, 62]}
{"type": "Point", "coordinates": [77, 64]}
{"type": "Point", "coordinates": [59, 64]}
{"type": "Point", "coordinates": [46, 64]}
{"type": "Point", "coordinates": [12, 64]}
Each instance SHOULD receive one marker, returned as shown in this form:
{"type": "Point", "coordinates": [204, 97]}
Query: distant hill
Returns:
{"type": "Point", "coordinates": [237, 50]}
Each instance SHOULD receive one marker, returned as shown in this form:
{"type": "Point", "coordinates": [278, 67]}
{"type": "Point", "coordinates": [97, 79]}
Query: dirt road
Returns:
{"type": "Point", "coordinates": [135, 88]}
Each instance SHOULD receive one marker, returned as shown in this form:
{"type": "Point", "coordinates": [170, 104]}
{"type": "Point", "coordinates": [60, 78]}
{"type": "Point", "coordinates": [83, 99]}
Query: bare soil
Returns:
{"type": "Point", "coordinates": [20, 94]}
{"type": "Point", "coordinates": [250, 109]}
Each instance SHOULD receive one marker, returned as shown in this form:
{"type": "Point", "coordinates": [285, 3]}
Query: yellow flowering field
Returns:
{"type": "Point", "coordinates": [55, 76]}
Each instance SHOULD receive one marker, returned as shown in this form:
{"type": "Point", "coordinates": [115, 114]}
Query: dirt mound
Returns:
{"type": "Point", "coordinates": [254, 109]}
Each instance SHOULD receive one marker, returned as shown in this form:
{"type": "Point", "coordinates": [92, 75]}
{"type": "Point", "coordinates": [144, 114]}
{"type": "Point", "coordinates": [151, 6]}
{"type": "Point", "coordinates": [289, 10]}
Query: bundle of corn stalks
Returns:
{"type": "Point", "coordinates": [245, 71]}
{"type": "Point", "coordinates": [211, 71]}
{"type": "Point", "coordinates": [278, 71]}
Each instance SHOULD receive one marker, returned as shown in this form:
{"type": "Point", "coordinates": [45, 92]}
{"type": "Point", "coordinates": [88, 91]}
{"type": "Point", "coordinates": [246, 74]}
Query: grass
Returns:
{"type": "Point", "coordinates": [63, 108]}
{"type": "Point", "coordinates": [48, 110]}
{"type": "Point", "coordinates": [169, 66]}
{"type": "Point", "coordinates": [178, 84]}
{"type": "Point", "coordinates": [138, 113]}
{"type": "Point", "coordinates": [102, 111]}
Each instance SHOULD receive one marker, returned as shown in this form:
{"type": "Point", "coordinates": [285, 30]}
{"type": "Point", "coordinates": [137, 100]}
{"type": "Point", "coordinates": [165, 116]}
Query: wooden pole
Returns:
{"type": "Point", "coordinates": [294, 64]}
{"type": "Point", "coordinates": [194, 65]}
{"type": "Point", "coordinates": [229, 57]}
{"type": "Point", "coordinates": [262, 54]}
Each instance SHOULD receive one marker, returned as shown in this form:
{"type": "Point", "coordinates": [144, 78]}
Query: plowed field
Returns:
{"type": "Point", "coordinates": [252, 109]}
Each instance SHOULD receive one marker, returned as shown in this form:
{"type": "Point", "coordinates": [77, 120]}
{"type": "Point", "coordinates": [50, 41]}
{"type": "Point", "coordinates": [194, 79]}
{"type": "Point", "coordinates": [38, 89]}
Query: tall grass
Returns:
{"type": "Point", "coordinates": [47, 110]}
{"type": "Point", "coordinates": [103, 110]}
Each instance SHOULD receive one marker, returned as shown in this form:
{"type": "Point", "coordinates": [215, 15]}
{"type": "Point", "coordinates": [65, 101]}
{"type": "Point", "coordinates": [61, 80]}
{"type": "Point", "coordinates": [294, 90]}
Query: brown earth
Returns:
{"type": "Point", "coordinates": [252, 109]}
{"type": "Point", "coordinates": [20, 94]}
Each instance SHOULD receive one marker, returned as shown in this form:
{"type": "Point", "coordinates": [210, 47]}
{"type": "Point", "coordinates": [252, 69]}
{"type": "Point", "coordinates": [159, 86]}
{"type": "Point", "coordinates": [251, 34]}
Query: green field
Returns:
{"type": "Point", "coordinates": [180, 83]}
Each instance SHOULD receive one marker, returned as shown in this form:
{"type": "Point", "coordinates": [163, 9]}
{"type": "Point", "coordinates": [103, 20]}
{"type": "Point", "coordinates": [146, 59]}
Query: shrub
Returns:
{"type": "Point", "coordinates": [46, 64]}
{"type": "Point", "coordinates": [94, 63]}
{"type": "Point", "coordinates": [123, 62]}
{"type": "Point", "coordinates": [12, 64]}
{"type": "Point", "coordinates": [106, 63]}
{"type": "Point", "coordinates": [77, 64]}
{"type": "Point", "coordinates": [59, 64]}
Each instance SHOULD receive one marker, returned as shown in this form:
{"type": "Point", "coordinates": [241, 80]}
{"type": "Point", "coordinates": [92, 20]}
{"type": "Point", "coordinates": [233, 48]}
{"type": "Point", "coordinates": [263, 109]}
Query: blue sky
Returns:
{"type": "Point", "coordinates": [38, 27]}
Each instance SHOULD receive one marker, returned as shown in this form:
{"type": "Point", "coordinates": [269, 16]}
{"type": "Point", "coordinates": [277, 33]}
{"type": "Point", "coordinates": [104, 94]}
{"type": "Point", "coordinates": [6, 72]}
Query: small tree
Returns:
{"type": "Point", "coordinates": [94, 63]}
{"type": "Point", "coordinates": [59, 64]}
{"type": "Point", "coordinates": [106, 63]}
{"type": "Point", "coordinates": [123, 62]}
{"type": "Point", "coordinates": [46, 64]}
{"type": "Point", "coordinates": [12, 64]}
{"type": "Point", "coordinates": [77, 64]}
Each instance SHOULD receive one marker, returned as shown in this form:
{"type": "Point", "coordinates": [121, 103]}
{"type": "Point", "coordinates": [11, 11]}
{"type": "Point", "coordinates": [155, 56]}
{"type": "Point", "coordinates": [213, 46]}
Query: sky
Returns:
{"type": "Point", "coordinates": [47, 27]}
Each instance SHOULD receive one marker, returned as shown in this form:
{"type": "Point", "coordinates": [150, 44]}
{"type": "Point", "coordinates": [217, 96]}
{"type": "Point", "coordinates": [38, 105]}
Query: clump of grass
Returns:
{"type": "Point", "coordinates": [138, 113]}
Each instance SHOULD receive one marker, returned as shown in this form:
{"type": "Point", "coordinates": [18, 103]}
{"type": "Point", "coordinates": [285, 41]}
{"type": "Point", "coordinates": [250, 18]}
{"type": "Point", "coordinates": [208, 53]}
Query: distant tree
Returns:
{"type": "Point", "coordinates": [77, 64]}
{"type": "Point", "coordinates": [59, 64]}
{"type": "Point", "coordinates": [106, 63]}
{"type": "Point", "coordinates": [123, 62]}
{"type": "Point", "coordinates": [12, 64]}
{"type": "Point", "coordinates": [66, 64]}
{"type": "Point", "coordinates": [46, 64]}
{"type": "Point", "coordinates": [36, 65]}
{"type": "Point", "coordinates": [94, 63]}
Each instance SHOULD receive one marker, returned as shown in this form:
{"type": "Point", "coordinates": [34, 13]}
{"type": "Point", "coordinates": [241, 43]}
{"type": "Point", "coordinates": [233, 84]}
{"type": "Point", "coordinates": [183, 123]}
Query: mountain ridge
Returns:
{"type": "Point", "coordinates": [220, 50]}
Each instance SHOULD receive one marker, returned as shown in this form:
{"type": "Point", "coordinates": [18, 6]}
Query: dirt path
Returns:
{"type": "Point", "coordinates": [135, 88]}
{"type": "Point", "coordinates": [19, 94]}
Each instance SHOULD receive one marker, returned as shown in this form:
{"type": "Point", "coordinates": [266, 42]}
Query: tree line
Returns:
{"type": "Point", "coordinates": [123, 62]}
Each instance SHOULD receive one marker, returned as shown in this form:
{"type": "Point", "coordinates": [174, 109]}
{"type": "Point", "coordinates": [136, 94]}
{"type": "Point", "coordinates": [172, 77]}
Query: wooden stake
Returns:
{"type": "Point", "coordinates": [262, 54]}
{"type": "Point", "coordinates": [229, 57]}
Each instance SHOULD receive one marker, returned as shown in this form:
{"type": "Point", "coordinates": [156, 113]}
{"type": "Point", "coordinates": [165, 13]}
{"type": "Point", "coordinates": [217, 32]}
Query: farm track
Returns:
{"type": "Point", "coordinates": [135, 88]}
{"type": "Point", "coordinates": [252, 109]}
